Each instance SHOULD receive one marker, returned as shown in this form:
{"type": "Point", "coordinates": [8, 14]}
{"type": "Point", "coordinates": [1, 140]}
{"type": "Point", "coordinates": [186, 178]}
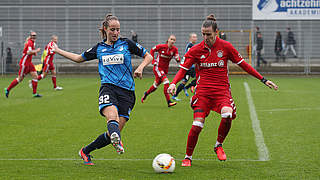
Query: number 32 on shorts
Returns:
{"type": "Point", "coordinates": [104, 99]}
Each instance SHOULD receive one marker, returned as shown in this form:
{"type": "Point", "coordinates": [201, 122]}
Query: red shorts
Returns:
{"type": "Point", "coordinates": [202, 105]}
{"type": "Point", "coordinates": [26, 69]}
{"type": "Point", "coordinates": [47, 66]}
{"type": "Point", "coordinates": [159, 74]}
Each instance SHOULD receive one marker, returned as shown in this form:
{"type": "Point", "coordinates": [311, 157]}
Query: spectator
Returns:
{"type": "Point", "coordinates": [278, 46]}
{"type": "Point", "coordinates": [9, 56]}
{"type": "Point", "coordinates": [134, 36]}
{"type": "Point", "coordinates": [290, 42]}
{"type": "Point", "coordinates": [259, 49]}
{"type": "Point", "coordinates": [255, 39]}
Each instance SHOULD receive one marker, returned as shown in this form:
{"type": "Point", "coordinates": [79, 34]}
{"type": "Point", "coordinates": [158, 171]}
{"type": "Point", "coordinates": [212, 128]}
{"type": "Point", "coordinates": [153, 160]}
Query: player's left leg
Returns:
{"type": "Point", "coordinates": [54, 80]}
{"type": "Point", "coordinates": [34, 81]}
{"type": "Point", "coordinates": [227, 115]}
{"type": "Point", "coordinates": [166, 83]}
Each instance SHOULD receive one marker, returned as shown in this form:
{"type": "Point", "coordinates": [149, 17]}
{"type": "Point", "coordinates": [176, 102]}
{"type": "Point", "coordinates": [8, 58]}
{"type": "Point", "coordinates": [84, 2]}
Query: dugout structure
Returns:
{"type": "Point", "coordinates": [242, 41]}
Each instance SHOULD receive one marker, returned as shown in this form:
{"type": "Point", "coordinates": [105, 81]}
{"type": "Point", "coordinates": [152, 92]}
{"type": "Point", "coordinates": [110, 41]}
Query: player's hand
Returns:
{"type": "Point", "coordinates": [172, 89]}
{"type": "Point", "coordinates": [38, 50]}
{"type": "Point", "coordinates": [138, 73]}
{"type": "Point", "coordinates": [271, 85]}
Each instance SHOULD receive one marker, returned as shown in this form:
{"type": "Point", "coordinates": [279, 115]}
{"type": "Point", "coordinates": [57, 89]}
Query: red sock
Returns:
{"type": "Point", "coordinates": [54, 81]}
{"type": "Point", "coordinates": [165, 91]}
{"type": "Point", "coordinates": [192, 139]}
{"type": "Point", "coordinates": [34, 85]}
{"type": "Point", "coordinates": [39, 77]}
{"type": "Point", "coordinates": [224, 128]}
{"type": "Point", "coordinates": [13, 84]}
{"type": "Point", "coordinates": [151, 89]}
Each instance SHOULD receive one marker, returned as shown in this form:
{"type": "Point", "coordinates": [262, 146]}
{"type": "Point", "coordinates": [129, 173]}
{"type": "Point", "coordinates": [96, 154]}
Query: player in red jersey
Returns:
{"type": "Point", "coordinates": [213, 88]}
{"type": "Point", "coordinates": [161, 66]}
{"type": "Point", "coordinates": [26, 65]}
{"type": "Point", "coordinates": [48, 63]}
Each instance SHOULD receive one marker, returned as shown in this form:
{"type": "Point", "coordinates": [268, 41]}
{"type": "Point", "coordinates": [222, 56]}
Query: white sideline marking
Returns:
{"type": "Point", "coordinates": [262, 148]}
{"type": "Point", "coordinates": [71, 159]}
{"type": "Point", "coordinates": [291, 109]}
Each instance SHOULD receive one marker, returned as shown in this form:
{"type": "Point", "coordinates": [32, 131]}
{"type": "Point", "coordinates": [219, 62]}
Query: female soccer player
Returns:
{"type": "Point", "coordinates": [161, 66]}
{"type": "Point", "coordinates": [48, 64]}
{"type": "Point", "coordinates": [116, 96]}
{"type": "Point", "coordinates": [213, 88]}
{"type": "Point", "coordinates": [26, 65]}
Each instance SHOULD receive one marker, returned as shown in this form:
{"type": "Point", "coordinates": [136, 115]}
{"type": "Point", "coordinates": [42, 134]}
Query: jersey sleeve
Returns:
{"type": "Point", "coordinates": [136, 48]}
{"type": "Point", "coordinates": [154, 49]}
{"type": "Point", "coordinates": [189, 60]}
{"type": "Point", "coordinates": [29, 46]}
{"type": "Point", "coordinates": [234, 55]}
{"type": "Point", "coordinates": [90, 54]}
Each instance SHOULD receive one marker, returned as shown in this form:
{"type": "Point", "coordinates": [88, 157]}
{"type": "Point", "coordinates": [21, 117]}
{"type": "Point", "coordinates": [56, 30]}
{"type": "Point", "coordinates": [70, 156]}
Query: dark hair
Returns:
{"type": "Point", "coordinates": [105, 23]}
{"type": "Point", "coordinates": [210, 22]}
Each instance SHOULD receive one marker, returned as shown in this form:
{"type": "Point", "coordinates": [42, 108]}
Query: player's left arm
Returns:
{"type": "Point", "coordinates": [236, 57]}
{"type": "Point", "coordinates": [137, 49]}
{"type": "Point", "coordinates": [176, 56]}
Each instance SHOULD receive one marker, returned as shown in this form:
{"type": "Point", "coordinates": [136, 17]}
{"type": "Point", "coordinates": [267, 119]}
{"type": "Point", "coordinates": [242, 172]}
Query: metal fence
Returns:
{"type": "Point", "coordinates": [77, 23]}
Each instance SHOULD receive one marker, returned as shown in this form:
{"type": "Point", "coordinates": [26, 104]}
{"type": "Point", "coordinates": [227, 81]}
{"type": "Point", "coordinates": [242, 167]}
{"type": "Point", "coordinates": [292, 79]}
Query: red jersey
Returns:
{"type": "Point", "coordinates": [26, 59]}
{"type": "Point", "coordinates": [211, 66]}
{"type": "Point", "coordinates": [50, 53]}
{"type": "Point", "coordinates": [165, 54]}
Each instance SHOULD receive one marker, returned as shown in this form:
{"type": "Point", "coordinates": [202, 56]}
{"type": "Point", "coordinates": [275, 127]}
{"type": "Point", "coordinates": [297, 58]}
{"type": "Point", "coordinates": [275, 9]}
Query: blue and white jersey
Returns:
{"type": "Point", "coordinates": [115, 61]}
{"type": "Point", "coordinates": [188, 47]}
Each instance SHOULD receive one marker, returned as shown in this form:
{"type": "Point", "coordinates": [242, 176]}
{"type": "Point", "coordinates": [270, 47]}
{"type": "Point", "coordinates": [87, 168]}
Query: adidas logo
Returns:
{"type": "Point", "coordinates": [202, 57]}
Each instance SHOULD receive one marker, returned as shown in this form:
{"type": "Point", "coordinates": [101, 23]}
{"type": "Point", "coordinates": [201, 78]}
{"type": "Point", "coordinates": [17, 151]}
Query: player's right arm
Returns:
{"type": "Point", "coordinates": [30, 51]}
{"type": "Point", "coordinates": [69, 55]}
{"type": "Point", "coordinates": [189, 61]}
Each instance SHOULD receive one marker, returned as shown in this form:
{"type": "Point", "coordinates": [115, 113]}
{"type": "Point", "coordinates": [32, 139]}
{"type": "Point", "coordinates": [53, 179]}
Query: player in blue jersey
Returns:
{"type": "Point", "coordinates": [191, 73]}
{"type": "Point", "coordinates": [116, 95]}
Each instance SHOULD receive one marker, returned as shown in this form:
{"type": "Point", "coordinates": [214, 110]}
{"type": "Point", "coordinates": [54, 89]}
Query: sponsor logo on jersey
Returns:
{"type": "Point", "coordinates": [240, 56]}
{"type": "Point", "coordinates": [162, 51]}
{"type": "Point", "coordinates": [164, 56]}
{"type": "Point", "coordinates": [220, 53]}
{"type": "Point", "coordinates": [202, 57]}
{"type": "Point", "coordinates": [208, 64]}
{"type": "Point", "coordinates": [112, 59]}
{"type": "Point", "coordinates": [221, 63]}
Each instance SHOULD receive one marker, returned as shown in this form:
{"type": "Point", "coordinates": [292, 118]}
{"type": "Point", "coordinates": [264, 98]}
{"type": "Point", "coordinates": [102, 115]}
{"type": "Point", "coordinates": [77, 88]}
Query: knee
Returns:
{"type": "Point", "coordinates": [226, 112]}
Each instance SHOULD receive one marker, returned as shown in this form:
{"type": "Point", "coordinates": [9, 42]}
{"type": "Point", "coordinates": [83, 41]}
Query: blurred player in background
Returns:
{"type": "Point", "coordinates": [191, 73]}
{"type": "Point", "coordinates": [26, 65]}
{"type": "Point", "coordinates": [213, 88]}
{"type": "Point", "coordinates": [161, 66]}
{"type": "Point", "coordinates": [116, 96]}
{"type": "Point", "coordinates": [48, 63]}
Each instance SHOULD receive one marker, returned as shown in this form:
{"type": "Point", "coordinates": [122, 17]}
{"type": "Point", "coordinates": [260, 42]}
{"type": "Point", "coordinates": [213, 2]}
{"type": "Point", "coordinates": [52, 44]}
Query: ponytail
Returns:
{"type": "Point", "coordinates": [210, 21]}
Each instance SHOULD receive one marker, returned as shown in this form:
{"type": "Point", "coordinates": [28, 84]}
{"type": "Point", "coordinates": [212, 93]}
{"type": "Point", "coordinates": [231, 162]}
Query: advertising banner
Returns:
{"type": "Point", "coordinates": [285, 9]}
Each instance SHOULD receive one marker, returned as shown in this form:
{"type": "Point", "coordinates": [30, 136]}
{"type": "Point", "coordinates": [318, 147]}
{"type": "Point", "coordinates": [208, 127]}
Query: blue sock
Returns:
{"type": "Point", "coordinates": [113, 126]}
{"type": "Point", "coordinates": [101, 141]}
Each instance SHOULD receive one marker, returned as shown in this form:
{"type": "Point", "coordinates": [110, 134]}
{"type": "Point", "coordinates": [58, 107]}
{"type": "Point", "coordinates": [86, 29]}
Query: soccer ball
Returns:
{"type": "Point", "coordinates": [163, 163]}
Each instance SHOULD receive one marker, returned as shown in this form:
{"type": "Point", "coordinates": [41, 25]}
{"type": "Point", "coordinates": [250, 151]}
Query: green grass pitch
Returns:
{"type": "Point", "coordinates": [40, 138]}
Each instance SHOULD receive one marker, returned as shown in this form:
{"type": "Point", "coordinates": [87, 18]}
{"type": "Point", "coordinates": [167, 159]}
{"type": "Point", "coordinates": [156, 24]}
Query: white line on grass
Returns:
{"type": "Point", "coordinates": [262, 148]}
{"type": "Point", "coordinates": [101, 159]}
{"type": "Point", "coordinates": [291, 109]}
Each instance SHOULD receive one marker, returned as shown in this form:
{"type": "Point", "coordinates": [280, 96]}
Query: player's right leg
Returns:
{"type": "Point", "coordinates": [149, 91]}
